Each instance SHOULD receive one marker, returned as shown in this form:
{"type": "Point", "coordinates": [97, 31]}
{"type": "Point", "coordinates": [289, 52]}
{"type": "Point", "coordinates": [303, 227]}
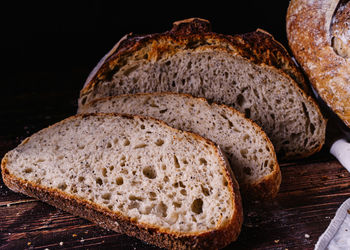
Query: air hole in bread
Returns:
{"type": "Point", "coordinates": [109, 145]}
{"type": "Point", "coordinates": [149, 172]}
{"type": "Point", "coordinates": [106, 196]}
{"type": "Point", "coordinates": [244, 152]}
{"type": "Point", "coordinates": [81, 178]}
{"type": "Point", "coordinates": [162, 209]}
{"type": "Point", "coordinates": [177, 204]}
{"type": "Point", "coordinates": [142, 145]}
{"type": "Point", "coordinates": [203, 161]}
{"type": "Point", "coordinates": [152, 196]}
{"type": "Point", "coordinates": [224, 181]}
{"type": "Point", "coordinates": [28, 170]}
{"type": "Point", "coordinates": [99, 181]}
{"type": "Point", "coordinates": [164, 167]}
{"type": "Point", "coordinates": [166, 179]}
{"type": "Point", "coordinates": [135, 198]}
{"type": "Point", "coordinates": [176, 162]}
{"type": "Point", "coordinates": [246, 137]}
{"type": "Point", "coordinates": [184, 161]}
{"type": "Point", "coordinates": [197, 206]}
{"type": "Point", "coordinates": [62, 186]}
{"type": "Point", "coordinates": [119, 181]}
{"type": "Point", "coordinates": [312, 128]}
{"type": "Point", "coordinates": [142, 126]}
{"type": "Point", "coordinates": [183, 192]}
{"type": "Point", "coordinates": [205, 191]}
{"type": "Point", "coordinates": [240, 99]}
{"type": "Point", "coordinates": [162, 111]}
{"type": "Point", "coordinates": [104, 172]}
{"type": "Point", "coordinates": [133, 205]}
{"type": "Point", "coordinates": [115, 141]}
{"type": "Point", "coordinates": [126, 142]}
{"type": "Point", "coordinates": [111, 168]}
{"type": "Point", "coordinates": [159, 142]}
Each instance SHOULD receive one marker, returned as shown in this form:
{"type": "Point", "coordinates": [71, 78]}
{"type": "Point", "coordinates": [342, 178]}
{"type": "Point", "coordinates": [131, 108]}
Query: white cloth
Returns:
{"type": "Point", "coordinates": [341, 150]}
{"type": "Point", "coordinates": [337, 235]}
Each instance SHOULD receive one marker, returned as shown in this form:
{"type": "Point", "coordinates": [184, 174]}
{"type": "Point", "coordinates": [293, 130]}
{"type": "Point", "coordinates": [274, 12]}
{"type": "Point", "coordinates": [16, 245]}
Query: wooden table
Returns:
{"type": "Point", "coordinates": [312, 189]}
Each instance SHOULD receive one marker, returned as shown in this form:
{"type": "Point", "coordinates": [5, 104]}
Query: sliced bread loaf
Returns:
{"type": "Point", "coordinates": [134, 175]}
{"type": "Point", "coordinates": [251, 72]}
{"type": "Point", "coordinates": [250, 152]}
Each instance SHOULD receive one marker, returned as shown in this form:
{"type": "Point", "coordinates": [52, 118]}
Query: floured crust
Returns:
{"type": "Point", "coordinates": [309, 25]}
{"type": "Point", "coordinates": [216, 238]}
{"type": "Point", "coordinates": [258, 47]}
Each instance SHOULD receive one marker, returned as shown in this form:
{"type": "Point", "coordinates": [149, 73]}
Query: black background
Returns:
{"type": "Point", "coordinates": [48, 48]}
{"type": "Point", "coordinates": [62, 41]}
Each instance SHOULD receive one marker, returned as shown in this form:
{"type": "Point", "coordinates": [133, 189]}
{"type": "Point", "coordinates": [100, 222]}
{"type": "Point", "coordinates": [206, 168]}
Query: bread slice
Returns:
{"type": "Point", "coordinates": [251, 72]}
{"type": "Point", "coordinates": [134, 175]}
{"type": "Point", "coordinates": [250, 152]}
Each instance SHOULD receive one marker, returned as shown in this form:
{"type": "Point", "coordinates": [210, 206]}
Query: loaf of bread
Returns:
{"type": "Point", "coordinates": [319, 37]}
{"type": "Point", "coordinates": [250, 152]}
{"type": "Point", "coordinates": [251, 72]}
{"type": "Point", "coordinates": [134, 175]}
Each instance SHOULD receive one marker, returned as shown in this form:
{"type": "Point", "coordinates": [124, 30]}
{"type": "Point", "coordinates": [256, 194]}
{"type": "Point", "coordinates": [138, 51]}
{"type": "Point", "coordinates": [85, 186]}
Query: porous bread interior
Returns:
{"type": "Point", "coordinates": [167, 179]}
{"type": "Point", "coordinates": [264, 94]}
{"type": "Point", "coordinates": [250, 155]}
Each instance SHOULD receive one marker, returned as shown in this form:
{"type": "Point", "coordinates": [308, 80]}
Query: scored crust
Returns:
{"type": "Point", "coordinates": [309, 25]}
{"type": "Point", "coordinates": [215, 238]}
{"type": "Point", "coordinates": [258, 47]}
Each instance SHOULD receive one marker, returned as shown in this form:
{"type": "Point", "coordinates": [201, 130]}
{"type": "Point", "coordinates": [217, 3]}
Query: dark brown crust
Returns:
{"type": "Point", "coordinates": [217, 238]}
{"type": "Point", "coordinates": [259, 47]}
{"type": "Point", "coordinates": [264, 189]}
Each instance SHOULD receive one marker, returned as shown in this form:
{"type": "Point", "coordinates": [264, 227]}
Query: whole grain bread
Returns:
{"type": "Point", "coordinates": [251, 72]}
{"type": "Point", "coordinates": [319, 34]}
{"type": "Point", "coordinates": [134, 175]}
{"type": "Point", "coordinates": [247, 147]}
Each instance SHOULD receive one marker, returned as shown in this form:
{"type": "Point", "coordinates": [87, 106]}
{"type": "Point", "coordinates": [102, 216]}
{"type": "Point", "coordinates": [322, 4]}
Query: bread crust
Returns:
{"type": "Point", "coordinates": [215, 239]}
{"type": "Point", "coordinates": [258, 47]}
{"type": "Point", "coordinates": [310, 39]}
{"type": "Point", "coordinates": [264, 188]}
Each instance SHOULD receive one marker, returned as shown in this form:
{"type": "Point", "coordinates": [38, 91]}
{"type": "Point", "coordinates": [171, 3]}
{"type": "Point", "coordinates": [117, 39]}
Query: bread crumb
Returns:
{"type": "Point", "coordinates": [82, 240]}
{"type": "Point", "coordinates": [61, 243]}
{"type": "Point", "coordinates": [307, 236]}
{"type": "Point", "coordinates": [276, 241]}
{"type": "Point", "coordinates": [29, 243]}
{"type": "Point", "coordinates": [74, 235]}
{"type": "Point", "coordinates": [348, 211]}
